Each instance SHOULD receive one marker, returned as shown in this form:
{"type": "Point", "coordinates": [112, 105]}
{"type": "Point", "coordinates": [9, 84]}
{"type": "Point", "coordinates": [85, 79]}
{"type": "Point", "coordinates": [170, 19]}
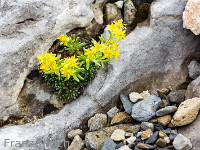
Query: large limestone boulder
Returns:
{"type": "Point", "coordinates": [152, 56]}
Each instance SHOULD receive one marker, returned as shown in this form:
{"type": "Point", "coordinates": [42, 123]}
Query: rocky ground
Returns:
{"type": "Point", "coordinates": [141, 121]}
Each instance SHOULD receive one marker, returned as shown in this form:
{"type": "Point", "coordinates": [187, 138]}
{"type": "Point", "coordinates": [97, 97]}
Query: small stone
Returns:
{"type": "Point", "coordinates": [172, 136]}
{"type": "Point", "coordinates": [182, 143]}
{"type": "Point", "coordinates": [138, 134]}
{"type": "Point", "coordinates": [146, 109]}
{"type": "Point", "coordinates": [170, 125]}
{"type": "Point", "coordinates": [134, 97]}
{"type": "Point", "coordinates": [145, 146]}
{"type": "Point", "coordinates": [164, 103]}
{"type": "Point", "coordinates": [166, 110]}
{"type": "Point", "coordinates": [97, 124]}
{"type": "Point", "coordinates": [132, 146]}
{"type": "Point", "coordinates": [176, 97]}
{"type": "Point", "coordinates": [162, 134]}
{"type": "Point", "coordinates": [157, 93]}
{"type": "Point", "coordinates": [127, 104]}
{"type": "Point", "coordinates": [129, 11]}
{"type": "Point", "coordinates": [118, 135]}
{"type": "Point", "coordinates": [146, 125]}
{"type": "Point", "coordinates": [161, 142]}
{"type": "Point", "coordinates": [145, 94]}
{"type": "Point", "coordinates": [167, 139]}
{"type": "Point", "coordinates": [128, 134]}
{"type": "Point", "coordinates": [194, 69]}
{"type": "Point", "coordinates": [119, 4]}
{"type": "Point", "coordinates": [158, 127]}
{"type": "Point", "coordinates": [131, 140]}
{"type": "Point", "coordinates": [167, 131]}
{"type": "Point", "coordinates": [164, 120]}
{"type": "Point", "coordinates": [77, 144]}
{"type": "Point", "coordinates": [109, 145]}
{"type": "Point", "coordinates": [164, 91]}
{"type": "Point", "coordinates": [152, 139]}
{"type": "Point", "coordinates": [112, 112]}
{"type": "Point", "coordinates": [119, 145]}
{"type": "Point", "coordinates": [121, 117]}
{"type": "Point", "coordinates": [112, 13]}
{"type": "Point", "coordinates": [73, 133]}
{"type": "Point", "coordinates": [146, 134]}
{"type": "Point", "coordinates": [153, 121]}
{"type": "Point", "coordinates": [187, 112]}
{"type": "Point", "coordinates": [102, 116]}
{"type": "Point", "coordinates": [125, 147]}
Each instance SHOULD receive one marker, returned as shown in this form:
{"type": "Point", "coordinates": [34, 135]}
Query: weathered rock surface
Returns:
{"type": "Point", "coordinates": [149, 53]}
{"type": "Point", "coordinates": [77, 143]}
{"type": "Point", "coordinates": [182, 143]}
{"type": "Point", "coordinates": [164, 120]}
{"type": "Point", "coordinates": [147, 125]}
{"type": "Point", "coordinates": [109, 145]}
{"type": "Point", "coordinates": [191, 16]}
{"type": "Point", "coordinates": [103, 117]}
{"type": "Point", "coordinates": [194, 69]}
{"type": "Point", "coordinates": [118, 135]}
{"type": "Point", "coordinates": [187, 112]}
{"type": "Point", "coordinates": [176, 97]}
{"type": "Point", "coordinates": [127, 104]}
{"type": "Point", "coordinates": [95, 140]}
{"type": "Point", "coordinates": [166, 110]}
{"type": "Point", "coordinates": [134, 97]}
{"type": "Point", "coordinates": [146, 109]}
{"type": "Point", "coordinates": [73, 133]}
{"type": "Point", "coordinates": [119, 4]}
{"type": "Point", "coordinates": [121, 117]}
{"type": "Point", "coordinates": [129, 12]}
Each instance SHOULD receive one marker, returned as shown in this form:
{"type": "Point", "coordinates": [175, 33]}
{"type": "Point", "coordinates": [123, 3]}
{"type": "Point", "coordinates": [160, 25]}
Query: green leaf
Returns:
{"type": "Point", "coordinates": [75, 78]}
{"type": "Point", "coordinates": [88, 65]}
{"type": "Point", "coordinates": [96, 62]}
{"type": "Point", "coordinates": [79, 76]}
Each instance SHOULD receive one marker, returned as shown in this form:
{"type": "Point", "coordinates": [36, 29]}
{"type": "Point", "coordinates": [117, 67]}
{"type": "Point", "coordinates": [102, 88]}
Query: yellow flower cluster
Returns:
{"type": "Point", "coordinates": [69, 66]}
{"type": "Point", "coordinates": [64, 39]}
{"type": "Point", "coordinates": [48, 63]}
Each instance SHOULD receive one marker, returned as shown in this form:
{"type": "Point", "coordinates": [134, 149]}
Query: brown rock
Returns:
{"type": "Point", "coordinates": [164, 120]}
{"type": "Point", "coordinates": [77, 144]}
{"type": "Point", "coordinates": [146, 134]}
{"type": "Point", "coordinates": [102, 116]}
{"type": "Point", "coordinates": [121, 117]}
{"type": "Point", "coordinates": [164, 91]}
{"type": "Point", "coordinates": [161, 142]}
{"type": "Point", "coordinates": [162, 134]}
{"type": "Point", "coordinates": [187, 112]}
{"type": "Point", "coordinates": [170, 125]}
{"type": "Point", "coordinates": [153, 120]}
{"type": "Point", "coordinates": [112, 13]}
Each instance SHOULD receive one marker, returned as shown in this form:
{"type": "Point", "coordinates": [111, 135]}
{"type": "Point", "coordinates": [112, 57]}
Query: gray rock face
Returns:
{"type": "Point", "coordinates": [182, 143]}
{"type": "Point", "coordinates": [146, 109]}
{"type": "Point", "coordinates": [193, 89]}
{"type": "Point", "coordinates": [176, 97]}
{"type": "Point", "coordinates": [109, 145]}
{"type": "Point", "coordinates": [129, 12]}
{"type": "Point", "coordinates": [166, 110]}
{"type": "Point", "coordinates": [112, 12]}
{"type": "Point", "coordinates": [149, 53]}
{"type": "Point", "coordinates": [127, 104]}
{"type": "Point", "coordinates": [194, 69]}
{"type": "Point", "coordinates": [97, 124]}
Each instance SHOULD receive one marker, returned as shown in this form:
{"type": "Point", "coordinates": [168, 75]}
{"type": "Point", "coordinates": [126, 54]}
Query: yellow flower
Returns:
{"type": "Point", "coordinates": [114, 45]}
{"type": "Point", "coordinates": [119, 24]}
{"type": "Point", "coordinates": [117, 55]}
{"type": "Point", "coordinates": [64, 39]}
{"type": "Point", "coordinates": [111, 27]}
{"type": "Point", "coordinates": [67, 72]}
{"type": "Point", "coordinates": [89, 55]}
{"type": "Point", "coordinates": [120, 34]}
{"type": "Point", "coordinates": [96, 47]}
{"type": "Point", "coordinates": [109, 52]}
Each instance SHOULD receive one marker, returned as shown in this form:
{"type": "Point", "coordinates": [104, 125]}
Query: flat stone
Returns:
{"type": "Point", "coordinates": [121, 117]}
{"type": "Point", "coordinates": [164, 120]}
{"type": "Point", "coordinates": [152, 139]}
{"type": "Point", "coordinates": [182, 143]}
{"type": "Point", "coordinates": [147, 125]}
{"type": "Point", "coordinates": [190, 16]}
{"type": "Point", "coordinates": [118, 135]}
{"type": "Point", "coordinates": [145, 146]}
{"type": "Point", "coordinates": [161, 142]}
{"type": "Point", "coordinates": [96, 139]}
{"type": "Point", "coordinates": [176, 97]}
{"type": "Point", "coordinates": [146, 134]}
{"type": "Point", "coordinates": [109, 145]}
{"type": "Point", "coordinates": [146, 109]}
{"type": "Point", "coordinates": [102, 116]}
{"type": "Point", "coordinates": [77, 144]}
{"type": "Point", "coordinates": [127, 104]}
{"type": "Point", "coordinates": [73, 133]}
{"type": "Point", "coordinates": [194, 69]}
{"type": "Point", "coordinates": [187, 112]}
{"type": "Point", "coordinates": [134, 97]}
{"type": "Point", "coordinates": [131, 140]}
{"type": "Point", "coordinates": [166, 110]}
